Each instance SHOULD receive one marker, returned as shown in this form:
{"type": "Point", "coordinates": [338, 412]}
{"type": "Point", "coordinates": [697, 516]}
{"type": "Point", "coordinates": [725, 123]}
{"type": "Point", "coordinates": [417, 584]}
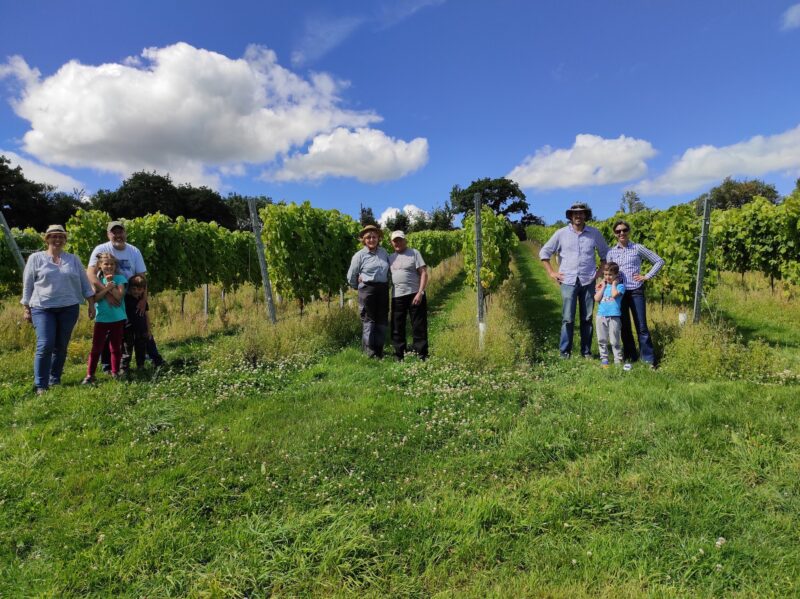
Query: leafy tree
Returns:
{"type": "Point", "coordinates": [398, 222]}
{"type": "Point", "coordinates": [367, 217]}
{"type": "Point", "coordinates": [140, 194]}
{"type": "Point", "coordinates": [205, 205]}
{"type": "Point", "coordinates": [24, 202]}
{"type": "Point", "coordinates": [420, 221]}
{"type": "Point", "coordinates": [502, 195]}
{"type": "Point", "coordinates": [442, 218]}
{"type": "Point", "coordinates": [520, 227]}
{"type": "Point", "coordinates": [631, 203]}
{"type": "Point", "coordinates": [237, 204]}
{"type": "Point", "coordinates": [735, 194]}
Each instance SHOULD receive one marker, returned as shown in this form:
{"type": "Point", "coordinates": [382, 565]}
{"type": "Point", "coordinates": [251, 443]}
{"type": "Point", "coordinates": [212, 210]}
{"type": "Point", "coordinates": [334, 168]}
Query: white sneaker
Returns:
{"type": "Point", "coordinates": [627, 366]}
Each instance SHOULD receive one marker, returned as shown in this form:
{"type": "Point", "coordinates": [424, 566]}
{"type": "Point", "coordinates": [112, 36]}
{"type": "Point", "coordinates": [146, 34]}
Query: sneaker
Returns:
{"type": "Point", "coordinates": [565, 355]}
{"type": "Point", "coordinates": [604, 363]}
{"type": "Point", "coordinates": [40, 390]}
{"type": "Point", "coordinates": [627, 366]}
{"type": "Point", "coordinates": [587, 356]}
{"type": "Point", "coordinates": [89, 380]}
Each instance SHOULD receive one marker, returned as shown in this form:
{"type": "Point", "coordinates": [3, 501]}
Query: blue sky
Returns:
{"type": "Point", "coordinates": [389, 104]}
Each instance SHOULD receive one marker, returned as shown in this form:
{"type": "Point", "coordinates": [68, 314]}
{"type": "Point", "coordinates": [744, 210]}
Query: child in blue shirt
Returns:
{"type": "Point", "coordinates": [110, 319]}
{"type": "Point", "coordinates": [609, 311]}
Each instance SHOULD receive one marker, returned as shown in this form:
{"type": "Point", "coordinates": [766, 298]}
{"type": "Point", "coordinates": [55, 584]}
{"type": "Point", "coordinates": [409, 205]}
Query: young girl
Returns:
{"type": "Point", "coordinates": [110, 319]}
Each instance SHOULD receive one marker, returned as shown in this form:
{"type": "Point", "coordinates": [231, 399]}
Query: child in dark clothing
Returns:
{"type": "Point", "coordinates": [137, 330]}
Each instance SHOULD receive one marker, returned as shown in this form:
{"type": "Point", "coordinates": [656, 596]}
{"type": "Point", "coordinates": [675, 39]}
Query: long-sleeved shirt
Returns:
{"type": "Point", "coordinates": [576, 250]}
{"type": "Point", "coordinates": [46, 284]}
{"type": "Point", "coordinates": [372, 267]}
{"type": "Point", "coordinates": [629, 259]}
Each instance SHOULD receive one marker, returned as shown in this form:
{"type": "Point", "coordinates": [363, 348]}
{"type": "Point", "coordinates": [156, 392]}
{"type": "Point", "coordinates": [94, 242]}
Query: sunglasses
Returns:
{"type": "Point", "coordinates": [618, 231]}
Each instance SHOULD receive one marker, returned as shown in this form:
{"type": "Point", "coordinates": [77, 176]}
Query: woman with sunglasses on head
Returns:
{"type": "Point", "coordinates": [54, 284]}
{"type": "Point", "coordinates": [629, 256]}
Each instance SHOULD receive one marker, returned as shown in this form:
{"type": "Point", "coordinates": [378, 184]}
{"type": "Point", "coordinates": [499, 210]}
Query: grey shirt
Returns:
{"type": "Point", "coordinates": [405, 277]}
{"type": "Point", "coordinates": [577, 253]}
{"type": "Point", "coordinates": [371, 267]}
{"type": "Point", "coordinates": [46, 284]}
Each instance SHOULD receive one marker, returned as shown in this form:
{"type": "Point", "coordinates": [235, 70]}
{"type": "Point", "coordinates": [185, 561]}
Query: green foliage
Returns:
{"type": "Point", "coordinates": [503, 196]}
{"type": "Point", "coordinates": [28, 241]}
{"type": "Point", "coordinates": [308, 249]}
{"type": "Point", "coordinates": [435, 246]}
{"type": "Point", "coordinates": [735, 194]}
{"type": "Point", "coordinates": [498, 242]}
{"type": "Point", "coordinates": [631, 202]}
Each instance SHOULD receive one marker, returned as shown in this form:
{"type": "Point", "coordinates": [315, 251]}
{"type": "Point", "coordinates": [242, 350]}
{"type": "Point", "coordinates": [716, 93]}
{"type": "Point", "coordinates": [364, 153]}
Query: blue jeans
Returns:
{"type": "Point", "coordinates": [633, 304]}
{"type": "Point", "coordinates": [583, 296]}
{"type": "Point", "coordinates": [53, 330]}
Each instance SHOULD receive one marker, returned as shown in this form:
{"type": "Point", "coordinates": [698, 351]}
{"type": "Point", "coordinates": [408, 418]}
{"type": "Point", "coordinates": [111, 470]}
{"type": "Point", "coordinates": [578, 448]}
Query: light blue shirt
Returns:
{"type": "Point", "coordinates": [46, 284]}
{"type": "Point", "coordinates": [105, 311]}
{"type": "Point", "coordinates": [372, 267]}
{"type": "Point", "coordinates": [611, 306]}
{"type": "Point", "coordinates": [576, 251]}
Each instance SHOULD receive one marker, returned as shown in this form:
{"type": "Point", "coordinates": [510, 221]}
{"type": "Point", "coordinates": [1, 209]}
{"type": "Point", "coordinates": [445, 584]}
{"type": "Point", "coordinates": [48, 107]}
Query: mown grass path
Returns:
{"type": "Point", "coordinates": [341, 476]}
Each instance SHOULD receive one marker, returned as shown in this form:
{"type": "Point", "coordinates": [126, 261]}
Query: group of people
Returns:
{"type": "Point", "coordinates": [115, 287]}
{"type": "Point", "coordinates": [369, 273]}
{"type": "Point", "coordinates": [620, 294]}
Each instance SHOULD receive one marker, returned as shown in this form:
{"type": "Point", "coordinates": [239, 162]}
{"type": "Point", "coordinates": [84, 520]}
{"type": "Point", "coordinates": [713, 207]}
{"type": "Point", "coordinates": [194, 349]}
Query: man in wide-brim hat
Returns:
{"type": "Point", "coordinates": [576, 246]}
{"type": "Point", "coordinates": [369, 273]}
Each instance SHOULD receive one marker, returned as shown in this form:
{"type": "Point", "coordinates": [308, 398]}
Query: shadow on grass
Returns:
{"type": "Point", "coordinates": [541, 301]}
{"type": "Point", "coordinates": [774, 335]}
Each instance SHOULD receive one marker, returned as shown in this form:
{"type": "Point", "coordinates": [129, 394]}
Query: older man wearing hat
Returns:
{"type": "Point", "coordinates": [369, 273]}
{"type": "Point", "coordinates": [576, 246]}
{"type": "Point", "coordinates": [409, 279]}
{"type": "Point", "coordinates": [130, 262]}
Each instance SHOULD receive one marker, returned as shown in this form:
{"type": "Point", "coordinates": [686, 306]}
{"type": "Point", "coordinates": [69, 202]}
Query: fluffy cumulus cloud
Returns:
{"type": "Point", "coordinates": [410, 209]}
{"type": "Point", "coordinates": [366, 154]}
{"type": "Point", "coordinates": [193, 113]}
{"type": "Point", "coordinates": [592, 160]}
{"type": "Point", "coordinates": [34, 171]}
{"type": "Point", "coordinates": [791, 17]}
{"type": "Point", "coordinates": [702, 165]}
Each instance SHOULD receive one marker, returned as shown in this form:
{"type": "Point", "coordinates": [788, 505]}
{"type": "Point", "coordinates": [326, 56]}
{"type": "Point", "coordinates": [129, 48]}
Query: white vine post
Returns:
{"type": "Point", "coordinates": [12, 243]}
{"type": "Point", "coordinates": [262, 261]}
{"type": "Point", "coordinates": [205, 300]}
{"type": "Point", "coordinates": [478, 265]}
{"type": "Point", "coordinates": [701, 260]}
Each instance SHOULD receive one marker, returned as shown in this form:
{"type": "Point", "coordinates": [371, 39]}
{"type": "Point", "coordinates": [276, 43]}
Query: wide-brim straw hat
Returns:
{"type": "Point", "coordinates": [54, 229]}
{"type": "Point", "coordinates": [579, 207]}
{"type": "Point", "coordinates": [369, 228]}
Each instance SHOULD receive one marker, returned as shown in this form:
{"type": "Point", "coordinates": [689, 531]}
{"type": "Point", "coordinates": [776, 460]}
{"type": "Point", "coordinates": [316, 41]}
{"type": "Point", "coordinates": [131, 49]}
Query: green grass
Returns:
{"type": "Point", "coordinates": [334, 475]}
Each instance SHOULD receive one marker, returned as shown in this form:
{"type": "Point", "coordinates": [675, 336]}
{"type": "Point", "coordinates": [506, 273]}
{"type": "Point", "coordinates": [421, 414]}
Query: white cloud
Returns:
{"type": "Point", "coordinates": [791, 18]}
{"type": "Point", "coordinates": [366, 154]}
{"type": "Point", "coordinates": [592, 160]}
{"type": "Point", "coordinates": [393, 12]}
{"type": "Point", "coordinates": [702, 165]}
{"type": "Point", "coordinates": [193, 113]}
{"type": "Point", "coordinates": [391, 212]}
{"type": "Point", "coordinates": [34, 171]}
{"type": "Point", "coordinates": [322, 35]}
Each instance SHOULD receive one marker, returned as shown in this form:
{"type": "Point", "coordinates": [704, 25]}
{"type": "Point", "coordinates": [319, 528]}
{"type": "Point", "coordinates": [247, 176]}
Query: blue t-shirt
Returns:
{"type": "Point", "coordinates": [105, 311]}
{"type": "Point", "coordinates": [610, 306]}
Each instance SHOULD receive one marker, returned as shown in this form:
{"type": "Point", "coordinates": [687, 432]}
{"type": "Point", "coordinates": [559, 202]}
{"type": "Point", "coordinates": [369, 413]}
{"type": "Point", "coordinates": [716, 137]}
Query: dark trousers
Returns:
{"type": "Point", "coordinates": [373, 299]}
{"type": "Point", "coordinates": [633, 304]}
{"type": "Point", "coordinates": [134, 341]}
{"type": "Point", "coordinates": [401, 308]}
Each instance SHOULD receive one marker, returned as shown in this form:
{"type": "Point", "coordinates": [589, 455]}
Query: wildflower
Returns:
{"type": "Point", "coordinates": [720, 542]}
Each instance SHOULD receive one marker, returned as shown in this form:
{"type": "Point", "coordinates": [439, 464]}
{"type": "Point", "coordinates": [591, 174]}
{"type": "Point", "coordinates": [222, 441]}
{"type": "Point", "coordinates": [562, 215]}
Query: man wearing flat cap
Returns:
{"type": "Point", "coordinates": [409, 279]}
{"type": "Point", "coordinates": [576, 246]}
{"type": "Point", "coordinates": [369, 273]}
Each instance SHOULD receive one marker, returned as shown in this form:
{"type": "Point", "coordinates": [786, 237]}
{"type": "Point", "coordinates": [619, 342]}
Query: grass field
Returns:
{"type": "Point", "coordinates": [503, 475]}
